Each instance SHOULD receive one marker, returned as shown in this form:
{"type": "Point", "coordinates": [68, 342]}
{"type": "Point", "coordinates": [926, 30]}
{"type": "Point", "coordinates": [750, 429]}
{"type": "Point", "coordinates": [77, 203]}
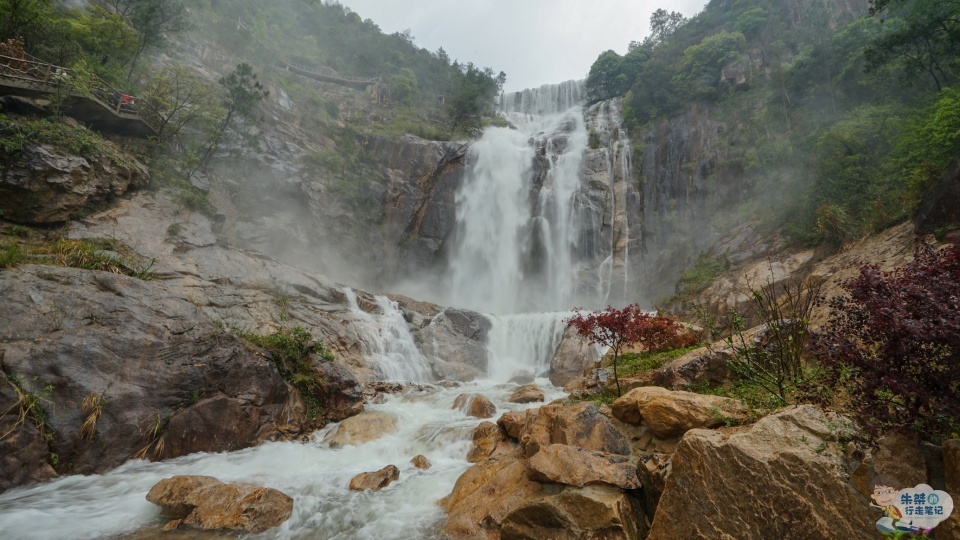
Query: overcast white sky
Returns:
{"type": "Point", "coordinates": [534, 41]}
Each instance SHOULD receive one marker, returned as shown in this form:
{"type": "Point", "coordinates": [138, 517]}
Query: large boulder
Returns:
{"type": "Point", "coordinates": [454, 344]}
{"type": "Point", "coordinates": [362, 428]}
{"type": "Point", "coordinates": [475, 405]}
{"type": "Point", "coordinates": [513, 422]}
{"type": "Point", "coordinates": [672, 413]}
{"type": "Point", "coordinates": [485, 494]}
{"type": "Point", "coordinates": [375, 481]}
{"type": "Point", "coordinates": [579, 424]}
{"type": "Point", "coordinates": [488, 439]}
{"type": "Point", "coordinates": [170, 380]}
{"type": "Point", "coordinates": [703, 365]}
{"type": "Point", "coordinates": [573, 466]}
{"type": "Point", "coordinates": [601, 512]}
{"type": "Point", "coordinates": [43, 184]}
{"type": "Point", "coordinates": [341, 395]}
{"type": "Point", "coordinates": [573, 357]}
{"type": "Point", "coordinates": [774, 480]}
{"type": "Point", "coordinates": [207, 503]}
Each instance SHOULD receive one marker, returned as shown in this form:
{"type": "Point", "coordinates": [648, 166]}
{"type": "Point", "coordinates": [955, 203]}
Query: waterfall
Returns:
{"type": "Point", "coordinates": [517, 226]}
{"type": "Point", "coordinates": [547, 100]}
{"type": "Point", "coordinates": [386, 340]}
{"type": "Point", "coordinates": [523, 342]}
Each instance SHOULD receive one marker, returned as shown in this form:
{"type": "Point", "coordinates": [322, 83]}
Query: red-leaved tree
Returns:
{"type": "Point", "coordinates": [619, 328]}
{"type": "Point", "coordinates": [896, 337]}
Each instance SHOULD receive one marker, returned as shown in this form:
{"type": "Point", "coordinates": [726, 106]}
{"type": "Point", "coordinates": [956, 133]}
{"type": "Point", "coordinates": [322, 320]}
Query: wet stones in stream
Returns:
{"type": "Point", "coordinates": [206, 503]}
{"type": "Point", "coordinates": [375, 481]}
{"type": "Point", "coordinates": [475, 405]}
{"type": "Point", "coordinates": [529, 393]}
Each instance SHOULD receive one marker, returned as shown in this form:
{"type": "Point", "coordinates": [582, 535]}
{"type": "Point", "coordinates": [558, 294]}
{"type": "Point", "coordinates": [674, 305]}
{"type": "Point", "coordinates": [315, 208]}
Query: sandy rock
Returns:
{"type": "Point", "coordinates": [574, 355]}
{"type": "Point", "coordinates": [527, 394]}
{"type": "Point", "coordinates": [206, 503]}
{"type": "Point", "coordinates": [563, 464]}
{"type": "Point", "coordinates": [654, 469]}
{"type": "Point", "coordinates": [362, 428]}
{"type": "Point", "coordinates": [488, 438]}
{"type": "Point", "coordinates": [513, 423]}
{"type": "Point", "coordinates": [486, 493]}
{"type": "Point", "coordinates": [421, 462]}
{"type": "Point", "coordinates": [375, 481]}
{"type": "Point", "coordinates": [672, 413]}
{"type": "Point", "coordinates": [769, 481]}
{"type": "Point", "coordinates": [578, 424]}
{"type": "Point", "coordinates": [475, 405]}
{"type": "Point", "coordinates": [601, 512]}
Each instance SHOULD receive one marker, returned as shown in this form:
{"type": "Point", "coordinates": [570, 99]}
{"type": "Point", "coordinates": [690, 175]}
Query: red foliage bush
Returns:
{"type": "Point", "coordinates": [618, 328]}
{"type": "Point", "coordinates": [896, 337]}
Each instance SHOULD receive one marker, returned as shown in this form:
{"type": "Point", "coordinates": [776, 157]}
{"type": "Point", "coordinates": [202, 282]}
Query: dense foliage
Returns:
{"type": "Point", "coordinates": [630, 326]}
{"type": "Point", "coordinates": [837, 117]}
{"type": "Point", "coordinates": [895, 339]}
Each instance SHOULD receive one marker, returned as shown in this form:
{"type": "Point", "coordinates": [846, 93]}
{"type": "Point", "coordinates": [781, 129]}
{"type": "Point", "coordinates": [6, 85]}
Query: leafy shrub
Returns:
{"type": "Point", "coordinates": [776, 359]}
{"type": "Point", "coordinates": [10, 255]}
{"type": "Point", "coordinates": [697, 278]}
{"type": "Point", "coordinates": [896, 337]}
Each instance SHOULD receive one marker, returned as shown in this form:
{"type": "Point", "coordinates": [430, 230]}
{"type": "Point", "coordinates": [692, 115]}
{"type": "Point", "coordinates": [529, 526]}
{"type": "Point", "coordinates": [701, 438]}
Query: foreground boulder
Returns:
{"type": "Point", "coordinates": [207, 503]}
{"type": "Point", "coordinates": [579, 424]}
{"type": "Point", "coordinates": [775, 480]}
{"type": "Point", "coordinates": [671, 414]}
{"type": "Point", "coordinates": [420, 461]}
{"type": "Point", "coordinates": [573, 466]}
{"type": "Point", "coordinates": [375, 481]}
{"type": "Point", "coordinates": [362, 428]}
{"type": "Point", "coordinates": [704, 365]}
{"type": "Point", "coordinates": [569, 475]}
{"type": "Point", "coordinates": [475, 405]}
{"type": "Point", "coordinates": [488, 439]}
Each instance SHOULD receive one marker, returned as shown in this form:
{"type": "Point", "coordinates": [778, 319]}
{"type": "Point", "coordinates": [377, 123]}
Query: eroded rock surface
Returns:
{"type": "Point", "coordinates": [769, 481]}
{"type": "Point", "coordinates": [171, 381]}
{"type": "Point", "coordinates": [475, 405]}
{"type": "Point", "coordinates": [362, 428]}
{"type": "Point", "coordinates": [207, 503]}
{"type": "Point", "coordinates": [45, 185]}
{"type": "Point", "coordinates": [526, 394]}
{"type": "Point", "coordinates": [375, 481]}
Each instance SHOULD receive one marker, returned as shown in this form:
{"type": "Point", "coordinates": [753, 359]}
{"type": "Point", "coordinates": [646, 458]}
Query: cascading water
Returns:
{"type": "Point", "coordinates": [517, 225]}
{"type": "Point", "coordinates": [387, 341]}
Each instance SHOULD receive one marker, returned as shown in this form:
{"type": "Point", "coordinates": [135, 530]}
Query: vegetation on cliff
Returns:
{"type": "Point", "coordinates": [837, 116]}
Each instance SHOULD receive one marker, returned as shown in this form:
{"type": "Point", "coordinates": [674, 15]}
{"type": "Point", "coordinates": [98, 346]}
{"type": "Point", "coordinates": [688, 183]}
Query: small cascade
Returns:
{"type": "Point", "coordinates": [387, 341]}
{"type": "Point", "coordinates": [523, 342]}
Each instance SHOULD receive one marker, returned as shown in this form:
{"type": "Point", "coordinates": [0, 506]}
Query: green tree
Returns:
{"type": "Point", "coordinates": [922, 36]}
{"type": "Point", "coordinates": [154, 20]}
{"type": "Point", "coordinates": [474, 94]}
{"type": "Point", "coordinates": [405, 89]}
{"type": "Point", "coordinates": [606, 78]}
{"type": "Point", "coordinates": [24, 18]}
{"type": "Point", "coordinates": [243, 93]}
